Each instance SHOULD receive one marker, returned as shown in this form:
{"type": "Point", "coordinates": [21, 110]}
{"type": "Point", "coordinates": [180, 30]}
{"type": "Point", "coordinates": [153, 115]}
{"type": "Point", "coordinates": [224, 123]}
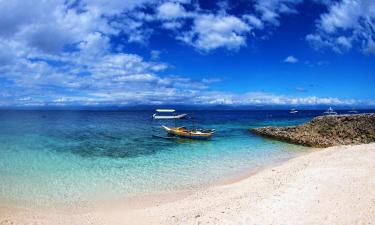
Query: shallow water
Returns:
{"type": "Point", "coordinates": [68, 156]}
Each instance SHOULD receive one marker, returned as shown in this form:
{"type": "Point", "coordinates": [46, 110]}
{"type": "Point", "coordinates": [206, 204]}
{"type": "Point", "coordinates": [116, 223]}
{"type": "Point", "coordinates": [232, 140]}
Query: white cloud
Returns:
{"type": "Point", "coordinates": [262, 99]}
{"type": "Point", "coordinates": [291, 59]}
{"type": "Point", "coordinates": [221, 30]}
{"type": "Point", "coordinates": [172, 25]}
{"type": "Point", "coordinates": [155, 54]}
{"type": "Point", "coordinates": [344, 42]}
{"type": "Point", "coordinates": [369, 47]}
{"type": "Point", "coordinates": [171, 10]}
{"type": "Point", "coordinates": [342, 15]}
{"type": "Point", "coordinates": [218, 29]}
{"type": "Point", "coordinates": [347, 23]}
{"type": "Point", "coordinates": [214, 31]}
{"type": "Point", "coordinates": [113, 7]}
{"type": "Point", "coordinates": [271, 10]}
{"type": "Point", "coordinates": [253, 21]}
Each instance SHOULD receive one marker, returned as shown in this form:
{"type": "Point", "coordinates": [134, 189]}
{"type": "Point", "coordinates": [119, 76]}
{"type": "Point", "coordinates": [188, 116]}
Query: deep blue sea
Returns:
{"type": "Point", "coordinates": [78, 156]}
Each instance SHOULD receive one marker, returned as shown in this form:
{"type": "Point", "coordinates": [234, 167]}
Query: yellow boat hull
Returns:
{"type": "Point", "coordinates": [183, 132]}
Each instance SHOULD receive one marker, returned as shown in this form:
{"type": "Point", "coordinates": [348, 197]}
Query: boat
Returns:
{"type": "Point", "coordinates": [183, 132]}
{"type": "Point", "coordinates": [173, 116]}
{"type": "Point", "coordinates": [330, 111]}
{"type": "Point", "coordinates": [353, 111]}
{"type": "Point", "coordinates": [293, 111]}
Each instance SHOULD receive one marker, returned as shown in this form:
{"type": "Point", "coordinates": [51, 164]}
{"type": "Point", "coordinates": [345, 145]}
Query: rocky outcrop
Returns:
{"type": "Point", "coordinates": [326, 131]}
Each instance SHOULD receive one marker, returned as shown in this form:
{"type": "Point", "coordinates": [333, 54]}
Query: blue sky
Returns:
{"type": "Point", "coordinates": [244, 52]}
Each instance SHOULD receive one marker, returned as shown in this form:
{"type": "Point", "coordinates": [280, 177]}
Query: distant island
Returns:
{"type": "Point", "coordinates": [326, 131]}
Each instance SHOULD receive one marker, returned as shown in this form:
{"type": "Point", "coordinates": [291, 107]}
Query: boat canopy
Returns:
{"type": "Point", "coordinates": [165, 110]}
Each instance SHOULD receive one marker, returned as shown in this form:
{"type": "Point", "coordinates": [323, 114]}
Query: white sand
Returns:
{"type": "Point", "coordinates": [331, 186]}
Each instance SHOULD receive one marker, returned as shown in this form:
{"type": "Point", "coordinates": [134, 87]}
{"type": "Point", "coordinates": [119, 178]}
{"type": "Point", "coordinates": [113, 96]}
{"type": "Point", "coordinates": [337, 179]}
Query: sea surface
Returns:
{"type": "Point", "coordinates": [53, 157]}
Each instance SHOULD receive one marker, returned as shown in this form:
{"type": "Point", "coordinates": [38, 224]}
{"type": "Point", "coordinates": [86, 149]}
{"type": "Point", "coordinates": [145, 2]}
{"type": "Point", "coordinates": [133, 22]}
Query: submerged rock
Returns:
{"type": "Point", "coordinates": [326, 131]}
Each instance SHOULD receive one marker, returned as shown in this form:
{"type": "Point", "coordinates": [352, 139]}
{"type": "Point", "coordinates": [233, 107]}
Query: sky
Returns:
{"type": "Point", "coordinates": [190, 52]}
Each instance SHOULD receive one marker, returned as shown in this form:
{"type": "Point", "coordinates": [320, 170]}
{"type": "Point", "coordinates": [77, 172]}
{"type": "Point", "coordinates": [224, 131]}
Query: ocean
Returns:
{"type": "Point", "coordinates": [62, 157]}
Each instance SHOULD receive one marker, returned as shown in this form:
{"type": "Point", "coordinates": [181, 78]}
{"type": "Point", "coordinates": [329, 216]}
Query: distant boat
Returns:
{"type": "Point", "coordinates": [293, 111]}
{"type": "Point", "coordinates": [330, 111]}
{"type": "Point", "coordinates": [192, 133]}
{"type": "Point", "coordinates": [173, 116]}
{"type": "Point", "coordinates": [353, 111]}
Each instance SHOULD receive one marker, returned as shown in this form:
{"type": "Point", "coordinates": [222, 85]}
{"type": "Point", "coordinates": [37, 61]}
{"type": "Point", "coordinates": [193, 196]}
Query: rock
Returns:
{"type": "Point", "coordinates": [326, 131]}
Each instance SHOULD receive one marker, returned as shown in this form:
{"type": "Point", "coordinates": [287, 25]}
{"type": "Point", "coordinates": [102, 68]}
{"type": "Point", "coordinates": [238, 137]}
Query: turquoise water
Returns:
{"type": "Point", "coordinates": [80, 156]}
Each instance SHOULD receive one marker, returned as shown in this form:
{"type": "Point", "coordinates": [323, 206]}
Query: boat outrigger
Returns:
{"type": "Point", "coordinates": [156, 116]}
{"type": "Point", "coordinates": [186, 133]}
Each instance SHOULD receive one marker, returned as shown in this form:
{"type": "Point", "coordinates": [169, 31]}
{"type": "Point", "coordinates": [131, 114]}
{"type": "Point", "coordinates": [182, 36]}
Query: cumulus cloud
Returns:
{"type": "Point", "coordinates": [347, 23]}
{"type": "Point", "coordinates": [253, 21]}
{"type": "Point", "coordinates": [271, 10]}
{"type": "Point", "coordinates": [291, 59]}
{"type": "Point", "coordinates": [171, 10]}
{"type": "Point", "coordinates": [212, 31]}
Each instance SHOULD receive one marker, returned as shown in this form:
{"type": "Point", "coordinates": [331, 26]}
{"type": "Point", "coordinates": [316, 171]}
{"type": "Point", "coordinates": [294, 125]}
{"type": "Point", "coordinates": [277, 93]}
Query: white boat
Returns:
{"type": "Point", "coordinates": [293, 111]}
{"type": "Point", "coordinates": [353, 111]}
{"type": "Point", "coordinates": [330, 111]}
{"type": "Point", "coordinates": [166, 116]}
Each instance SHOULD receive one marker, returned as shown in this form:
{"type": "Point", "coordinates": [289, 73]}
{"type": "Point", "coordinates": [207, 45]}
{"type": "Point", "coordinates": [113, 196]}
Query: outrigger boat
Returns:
{"type": "Point", "coordinates": [353, 110]}
{"type": "Point", "coordinates": [156, 116]}
{"type": "Point", "coordinates": [186, 133]}
{"type": "Point", "coordinates": [330, 111]}
{"type": "Point", "coordinates": [293, 111]}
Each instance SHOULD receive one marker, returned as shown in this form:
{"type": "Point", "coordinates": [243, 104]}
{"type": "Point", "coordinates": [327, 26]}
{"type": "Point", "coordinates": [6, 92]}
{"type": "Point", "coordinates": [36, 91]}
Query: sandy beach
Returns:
{"type": "Point", "coordinates": [327, 186]}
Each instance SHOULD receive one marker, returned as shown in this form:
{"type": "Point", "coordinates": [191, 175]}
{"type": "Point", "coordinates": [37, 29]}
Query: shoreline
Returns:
{"type": "Point", "coordinates": [218, 201]}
